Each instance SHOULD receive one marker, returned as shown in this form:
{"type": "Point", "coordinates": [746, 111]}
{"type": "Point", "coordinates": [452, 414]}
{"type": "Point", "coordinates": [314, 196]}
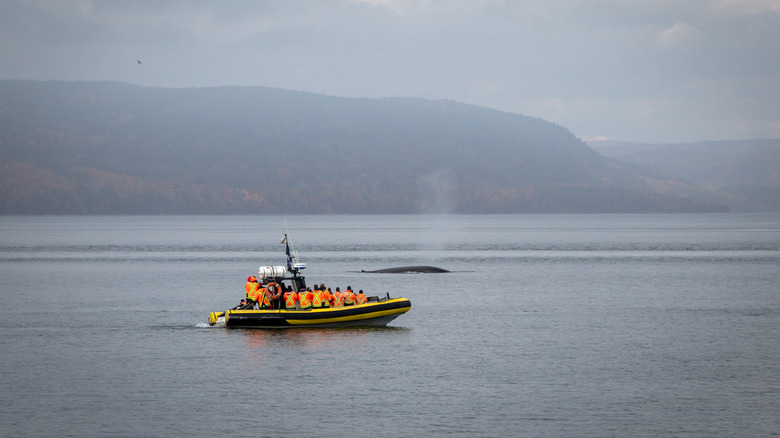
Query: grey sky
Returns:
{"type": "Point", "coordinates": [644, 70]}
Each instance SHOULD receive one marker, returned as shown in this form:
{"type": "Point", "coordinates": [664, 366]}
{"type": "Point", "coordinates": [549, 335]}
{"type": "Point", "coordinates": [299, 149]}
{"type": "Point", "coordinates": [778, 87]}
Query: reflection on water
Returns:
{"type": "Point", "coordinates": [310, 338]}
{"type": "Point", "coordinates": [545, 326]}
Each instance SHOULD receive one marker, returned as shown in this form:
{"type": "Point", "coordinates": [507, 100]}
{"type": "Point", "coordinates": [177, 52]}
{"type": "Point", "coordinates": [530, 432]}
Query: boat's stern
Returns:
{"type": "Point", "coordinates": [217, 318]}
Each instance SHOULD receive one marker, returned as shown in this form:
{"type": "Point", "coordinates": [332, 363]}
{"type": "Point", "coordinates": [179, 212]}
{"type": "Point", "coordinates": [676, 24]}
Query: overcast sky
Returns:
{"type": "Point", "coordinates": [641, 70]}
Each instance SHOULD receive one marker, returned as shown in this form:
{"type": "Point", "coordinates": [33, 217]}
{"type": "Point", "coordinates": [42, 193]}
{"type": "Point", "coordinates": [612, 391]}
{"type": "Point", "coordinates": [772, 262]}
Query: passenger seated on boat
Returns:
{"type": "Point", "coordinates": [338, 299]}
{"type": "Point", "coordinates": [318, 298]}
{"type": "Point", "coordinates": [361, 297]}
{"type": "Point", "coordinates": [290, 298]}
{"type": "Point", "coordinates": [262, 299]}
{"type": "Point", "coordinates": [327, 297]}
{"type": "Point", "coordinates": [350, 298]}
{"type": "Point", "coordinates": [251, 286]}
{"type": "Point", "coordinates": [314, 290]}
{"type": "Point", "coordinates": [305, 298]}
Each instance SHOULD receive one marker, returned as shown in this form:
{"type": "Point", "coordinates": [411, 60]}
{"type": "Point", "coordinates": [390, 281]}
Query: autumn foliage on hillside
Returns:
{"type": "Point", "coordinates": [107, 148]}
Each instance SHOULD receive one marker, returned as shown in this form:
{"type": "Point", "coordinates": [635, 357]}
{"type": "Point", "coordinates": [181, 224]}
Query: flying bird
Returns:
{"type": "Point", "coordinates": [139, 62]}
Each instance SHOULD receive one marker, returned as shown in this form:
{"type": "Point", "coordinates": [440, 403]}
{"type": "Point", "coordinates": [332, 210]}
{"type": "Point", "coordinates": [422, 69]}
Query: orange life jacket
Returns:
{"type": "Point", "coordinates": [316, 298]}
{"type": "Point", "coordinates": [361, 298]}
{"type": "Point", "coordinates": [251, 288]}
{"type": "Point", "coordinates": [305, 299]}
{"type": "Point", "coordinates": [338, 301]}
{"type": "Point", "coordinates": [262, 298]}
{"type": "Point", "coordinates": [289, 299]}
{"type": "Point", "coordinates": [350, 299]}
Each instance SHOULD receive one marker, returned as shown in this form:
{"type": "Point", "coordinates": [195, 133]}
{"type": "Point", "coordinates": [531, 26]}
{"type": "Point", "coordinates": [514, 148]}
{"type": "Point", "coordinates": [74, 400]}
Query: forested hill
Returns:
{"type": "Point", "coordinates": [746, 173]}
{"type": "Point", "coordinates": [113, 148]}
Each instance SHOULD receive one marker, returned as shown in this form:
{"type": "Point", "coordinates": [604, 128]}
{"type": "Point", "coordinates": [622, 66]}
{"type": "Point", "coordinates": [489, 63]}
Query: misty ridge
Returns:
{"type": "Point", "coordinates": [744, 173]}
{"type": "Point", "coordinates": [115, 148]}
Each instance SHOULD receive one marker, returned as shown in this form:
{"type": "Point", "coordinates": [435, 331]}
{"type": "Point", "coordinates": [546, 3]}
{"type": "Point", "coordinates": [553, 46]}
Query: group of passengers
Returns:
{"type": "Point", "coordinates": [276, 296]}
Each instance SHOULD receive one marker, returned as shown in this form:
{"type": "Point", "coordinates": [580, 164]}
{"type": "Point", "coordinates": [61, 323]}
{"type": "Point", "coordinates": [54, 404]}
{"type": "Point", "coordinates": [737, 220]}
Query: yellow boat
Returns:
{"type": "Point", "coordinates": [375, 312]}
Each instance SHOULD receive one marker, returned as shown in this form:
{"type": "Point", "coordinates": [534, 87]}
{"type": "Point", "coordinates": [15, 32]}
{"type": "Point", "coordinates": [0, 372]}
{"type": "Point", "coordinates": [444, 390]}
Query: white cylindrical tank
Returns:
{"type": "Point", "coordinates": [272, 271]}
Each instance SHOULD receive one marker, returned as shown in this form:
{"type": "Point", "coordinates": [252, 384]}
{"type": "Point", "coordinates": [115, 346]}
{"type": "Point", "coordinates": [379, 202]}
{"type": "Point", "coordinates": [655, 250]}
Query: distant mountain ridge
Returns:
{"type": "Point", "coordinates": [114, 148]}
{"type": "Point", "coordinates": [744, 173]}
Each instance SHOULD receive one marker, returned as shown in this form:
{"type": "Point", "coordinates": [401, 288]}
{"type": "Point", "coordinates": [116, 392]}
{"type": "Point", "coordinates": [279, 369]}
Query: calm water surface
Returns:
{"type": "Point", "coordinates": [547, 326]}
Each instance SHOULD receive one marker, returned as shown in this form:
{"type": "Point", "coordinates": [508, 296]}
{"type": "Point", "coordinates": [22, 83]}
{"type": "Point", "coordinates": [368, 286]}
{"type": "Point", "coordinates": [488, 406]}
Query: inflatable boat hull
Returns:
{"type": "Point", "coordinates": [370, 314]}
